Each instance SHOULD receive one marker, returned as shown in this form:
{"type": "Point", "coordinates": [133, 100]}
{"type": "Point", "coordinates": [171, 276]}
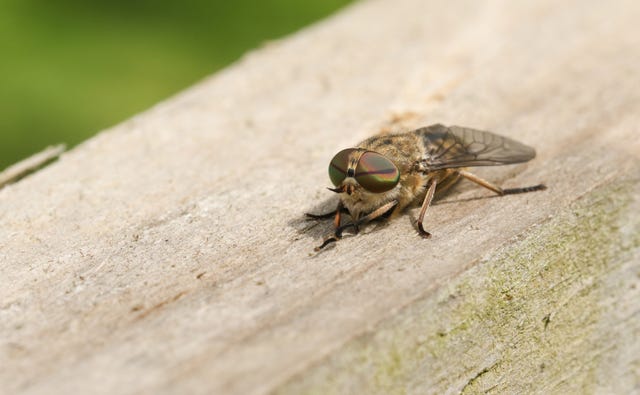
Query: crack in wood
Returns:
{"type": "Point", "coordinates": [476, 377]}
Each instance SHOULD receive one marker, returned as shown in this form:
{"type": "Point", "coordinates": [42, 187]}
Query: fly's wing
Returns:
{"type": "Point", "coordinates": [456, 146]}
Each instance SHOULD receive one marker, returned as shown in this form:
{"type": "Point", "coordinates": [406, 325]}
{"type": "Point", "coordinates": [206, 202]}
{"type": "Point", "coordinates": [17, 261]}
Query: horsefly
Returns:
{"type": "Point", "coordinates": [385, 173]}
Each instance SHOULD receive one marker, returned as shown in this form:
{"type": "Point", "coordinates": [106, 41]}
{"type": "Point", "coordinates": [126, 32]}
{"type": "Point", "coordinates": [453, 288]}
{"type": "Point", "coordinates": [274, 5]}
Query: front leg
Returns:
{"type": "Point", "coordinates": [380, 211]}
{"type": "Point", "coordinates": [336, 215]}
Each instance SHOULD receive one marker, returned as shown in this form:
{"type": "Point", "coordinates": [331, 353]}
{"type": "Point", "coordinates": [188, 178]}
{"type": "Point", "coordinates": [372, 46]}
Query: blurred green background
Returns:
{"type": "Point", "coordinates": [70, 68]}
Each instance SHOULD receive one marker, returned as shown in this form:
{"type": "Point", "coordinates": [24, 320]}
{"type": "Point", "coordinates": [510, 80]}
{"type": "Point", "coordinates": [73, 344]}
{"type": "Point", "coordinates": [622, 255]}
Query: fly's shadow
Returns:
{"type": "Point", "coordinates": [317, 221]}
{"type": "Point", "coordinates": [316, 228]}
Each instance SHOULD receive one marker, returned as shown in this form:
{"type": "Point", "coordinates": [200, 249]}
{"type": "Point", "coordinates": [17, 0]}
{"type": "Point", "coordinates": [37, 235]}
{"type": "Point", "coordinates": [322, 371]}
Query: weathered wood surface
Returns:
{"type": "Point", "coordinates": [169, 254]}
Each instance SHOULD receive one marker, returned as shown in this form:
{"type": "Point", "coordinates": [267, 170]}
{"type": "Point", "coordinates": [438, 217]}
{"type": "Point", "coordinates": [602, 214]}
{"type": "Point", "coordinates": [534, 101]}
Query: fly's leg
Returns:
{"type": "Point", "coordinates": [328, 215]}
{"type": "Point", "coordinates": [333, 214]}
{"type": "Point", "coordinates": [336, 219]}
{"type": "Point", "coordinates": [425, 205]}
{"type": "Point", "coordinates": [337, 216]}
{"type": "Point", "coordinates": [533, 188]}
{"type": "Point", "coordinates": [445, 183]}
{"type": "Point", "coordinates": [497, 189]}
{"type": "Point", "coordinates": [380, 211]}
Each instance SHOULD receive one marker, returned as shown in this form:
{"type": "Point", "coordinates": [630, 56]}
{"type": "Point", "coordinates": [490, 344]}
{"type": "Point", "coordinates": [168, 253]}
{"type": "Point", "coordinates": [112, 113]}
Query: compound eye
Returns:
{"type": "Point", "coordinates": [339, 165]}
{"type": "Point", "coordinates": [375, 173]}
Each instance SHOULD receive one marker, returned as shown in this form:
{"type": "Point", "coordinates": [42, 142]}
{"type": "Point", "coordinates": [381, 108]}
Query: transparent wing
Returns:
{"type": "Point", "coordinates": [456, 146]}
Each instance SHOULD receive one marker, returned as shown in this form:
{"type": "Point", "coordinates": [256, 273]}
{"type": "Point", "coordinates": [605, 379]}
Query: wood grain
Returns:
{"type": "Point", "coordinates": [170, 254]}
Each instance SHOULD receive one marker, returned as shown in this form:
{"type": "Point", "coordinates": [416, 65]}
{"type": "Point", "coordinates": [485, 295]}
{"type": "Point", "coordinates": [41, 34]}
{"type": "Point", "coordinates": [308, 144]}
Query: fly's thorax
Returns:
{"type": "Point", "coordinates": [403, 149]}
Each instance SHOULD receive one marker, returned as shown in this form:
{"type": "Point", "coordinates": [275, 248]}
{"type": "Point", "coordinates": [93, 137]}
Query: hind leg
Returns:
{"type": "Point", "coordinates": [511, 191]}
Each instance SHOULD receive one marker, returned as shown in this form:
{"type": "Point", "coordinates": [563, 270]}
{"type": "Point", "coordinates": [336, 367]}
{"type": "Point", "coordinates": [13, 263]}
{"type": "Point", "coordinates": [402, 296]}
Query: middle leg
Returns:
{"type": "Point", "coordinates": [425, 205]}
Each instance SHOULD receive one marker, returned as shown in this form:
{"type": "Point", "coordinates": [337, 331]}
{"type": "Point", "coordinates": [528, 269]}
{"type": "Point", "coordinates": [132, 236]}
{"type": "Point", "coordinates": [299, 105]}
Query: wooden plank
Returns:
{"type": "Point", "coordinates": [170, 254]}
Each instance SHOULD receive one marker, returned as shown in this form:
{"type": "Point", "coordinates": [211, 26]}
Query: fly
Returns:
{"type": "Point", "coordinates": [384, 174]}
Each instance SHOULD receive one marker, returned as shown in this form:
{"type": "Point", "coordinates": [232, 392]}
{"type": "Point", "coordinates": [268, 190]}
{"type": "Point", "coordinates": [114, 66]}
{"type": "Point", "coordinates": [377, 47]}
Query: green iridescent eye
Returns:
{"type": "Point", "coordinates": [339, 165]}
{"type": "Point", "coordinates": [375, 173]}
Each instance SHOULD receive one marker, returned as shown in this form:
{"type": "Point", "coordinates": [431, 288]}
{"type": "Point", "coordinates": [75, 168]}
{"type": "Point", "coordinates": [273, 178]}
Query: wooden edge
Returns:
{"type": "Point", "coordinates": [27, 166]}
